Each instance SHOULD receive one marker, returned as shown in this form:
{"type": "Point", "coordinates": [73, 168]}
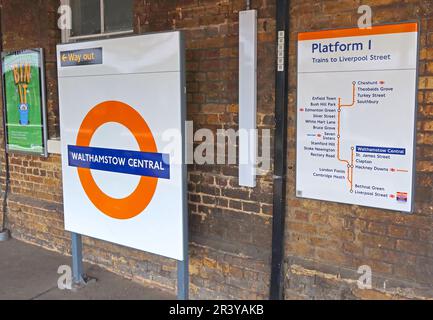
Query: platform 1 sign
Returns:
{"type": "Point", "coordinates": [122, 115]}
{"type": "Point", "coordinates": [356, 115]}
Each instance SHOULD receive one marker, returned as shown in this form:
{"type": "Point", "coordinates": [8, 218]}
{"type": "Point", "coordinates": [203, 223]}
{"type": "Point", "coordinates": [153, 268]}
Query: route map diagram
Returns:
{"type": "Point", "coordinates": [356, 123]}
{"type": "Point", "coordinates": [350, 164]}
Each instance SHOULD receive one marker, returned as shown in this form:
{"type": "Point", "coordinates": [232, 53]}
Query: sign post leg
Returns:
{"type": "Point", "coordinates": [77, 259]}
{"type": "Point", "coordinates": [183, 279]}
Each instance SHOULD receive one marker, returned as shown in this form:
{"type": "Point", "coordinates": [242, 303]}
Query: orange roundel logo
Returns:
{"type": "Point", "coordinates": [137, 201]}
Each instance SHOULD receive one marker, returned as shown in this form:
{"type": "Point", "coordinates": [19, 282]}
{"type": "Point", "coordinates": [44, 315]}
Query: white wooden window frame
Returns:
{"type": "Point", "coordinates": [66, 33]}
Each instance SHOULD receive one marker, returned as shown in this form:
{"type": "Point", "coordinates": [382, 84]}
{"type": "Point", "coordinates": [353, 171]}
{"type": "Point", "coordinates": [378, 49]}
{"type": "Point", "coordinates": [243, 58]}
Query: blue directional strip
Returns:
{"type": "Point", "coordinates": [144, 164]}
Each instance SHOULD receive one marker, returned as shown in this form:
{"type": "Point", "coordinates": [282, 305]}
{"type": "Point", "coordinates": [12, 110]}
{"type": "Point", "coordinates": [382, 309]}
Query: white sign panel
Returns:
{"type": "Point", "coordinates": [122, 120]}
{"type": "Point", "coordinates": [356, 115]}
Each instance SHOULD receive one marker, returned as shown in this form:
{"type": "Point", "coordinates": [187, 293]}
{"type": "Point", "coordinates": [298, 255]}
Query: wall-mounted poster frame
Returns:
{"type": "Point", "coordinates": [24, 101]}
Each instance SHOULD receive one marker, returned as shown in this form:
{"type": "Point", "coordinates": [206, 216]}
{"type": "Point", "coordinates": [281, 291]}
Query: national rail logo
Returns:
{"type": "Point", "coordinates": [147, 163]}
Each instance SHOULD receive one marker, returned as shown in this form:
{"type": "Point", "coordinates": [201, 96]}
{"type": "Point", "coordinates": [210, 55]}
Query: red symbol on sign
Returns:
{"type": "Point", "coordinates": [402, 196]}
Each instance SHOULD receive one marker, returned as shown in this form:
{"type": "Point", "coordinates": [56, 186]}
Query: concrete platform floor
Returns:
{"type": "Point", "coordinates": [30, 273]}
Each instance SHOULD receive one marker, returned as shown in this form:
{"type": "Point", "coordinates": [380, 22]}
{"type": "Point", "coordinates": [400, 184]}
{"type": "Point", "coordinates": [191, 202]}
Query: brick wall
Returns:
{"type": "Point", "coordinates": [230, 226]}
{"type": "Point", "coordinates": [35, 203]}
{"type": "Point", "coordinates": [327, 242]}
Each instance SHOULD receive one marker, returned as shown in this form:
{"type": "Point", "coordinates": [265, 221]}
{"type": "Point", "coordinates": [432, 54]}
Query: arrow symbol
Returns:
{"type": "Point", "coordinates": [64, 57]}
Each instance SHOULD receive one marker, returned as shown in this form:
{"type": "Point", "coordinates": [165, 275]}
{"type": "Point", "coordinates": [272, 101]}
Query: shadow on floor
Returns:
{"type": "Point", "coordinates": [28, 272]}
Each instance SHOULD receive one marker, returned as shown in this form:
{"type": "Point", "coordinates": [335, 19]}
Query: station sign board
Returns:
{"type": "Point", "coordinates": [121, 180]}
{"type": "Point", "coordinates": [356, 115]}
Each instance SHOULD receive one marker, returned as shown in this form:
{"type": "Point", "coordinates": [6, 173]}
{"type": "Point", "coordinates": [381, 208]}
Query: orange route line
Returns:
{"type": "Point", "coordinates": [338, 134]}
{"type": "Point", "coordinates": [353, 98]}
{"type": "Point", "coordinates": [349, 164]}
{"type": "Point", "coordinates": [353, 160]}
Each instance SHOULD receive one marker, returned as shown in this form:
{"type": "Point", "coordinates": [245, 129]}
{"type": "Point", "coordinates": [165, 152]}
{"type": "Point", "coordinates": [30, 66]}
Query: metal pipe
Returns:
{"type": "Point", "coordinates": [280, 154]}
{"type": "Point", "coordinates": [248, 4]}
{"type": "Point", "coordinates": [77, 259]}
{"type": "Point", "coordinates": [5, 233]}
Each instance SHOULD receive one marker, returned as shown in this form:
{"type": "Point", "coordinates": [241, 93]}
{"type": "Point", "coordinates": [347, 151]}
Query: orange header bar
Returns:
{"type": "Point", "coordinates": [356, 32]}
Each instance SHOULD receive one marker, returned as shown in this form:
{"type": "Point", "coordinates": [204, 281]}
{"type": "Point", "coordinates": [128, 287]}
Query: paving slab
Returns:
{"type": "Point", "coordinates": [29, 272]}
